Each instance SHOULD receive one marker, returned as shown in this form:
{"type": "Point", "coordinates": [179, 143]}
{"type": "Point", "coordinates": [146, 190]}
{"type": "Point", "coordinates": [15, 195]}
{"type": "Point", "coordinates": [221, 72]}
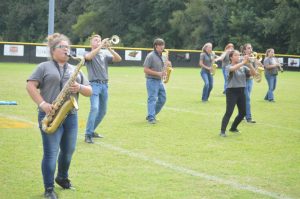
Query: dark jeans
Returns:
{"type": "Point", "coordinates": [234, 96]}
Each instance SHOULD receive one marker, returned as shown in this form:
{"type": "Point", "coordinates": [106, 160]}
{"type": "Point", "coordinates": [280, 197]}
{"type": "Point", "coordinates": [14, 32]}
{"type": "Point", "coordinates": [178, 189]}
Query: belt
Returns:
{"type": "Point", "coordinates": [99, 81]}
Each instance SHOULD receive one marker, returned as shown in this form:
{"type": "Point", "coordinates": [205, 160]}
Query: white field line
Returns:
{"type": "Point", "coordinates": [179, 169]}
{"type": "Point", "coordinates": [183, 110]}
{"type": "Point", "coordinates": [187, 171]}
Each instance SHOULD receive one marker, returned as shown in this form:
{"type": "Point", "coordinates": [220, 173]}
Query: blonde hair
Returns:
{"type": "Point", "coordinates": [93, 36]}
{"type": "Point", "coordinates": [205, 46]}
{"type": "Point", "coordinates": [268, 51]}
{"type": "Point", "coordinates": [54, 39]}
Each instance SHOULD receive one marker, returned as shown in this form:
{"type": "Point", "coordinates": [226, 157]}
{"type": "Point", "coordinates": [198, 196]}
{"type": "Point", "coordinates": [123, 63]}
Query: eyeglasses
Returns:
{"type": "Point", "coordinates": [62, 46]}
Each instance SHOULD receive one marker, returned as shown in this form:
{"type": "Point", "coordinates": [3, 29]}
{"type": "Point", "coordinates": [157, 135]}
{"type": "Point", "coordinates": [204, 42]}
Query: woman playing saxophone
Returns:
{"type": "Point", "coordinates": [43, 86]}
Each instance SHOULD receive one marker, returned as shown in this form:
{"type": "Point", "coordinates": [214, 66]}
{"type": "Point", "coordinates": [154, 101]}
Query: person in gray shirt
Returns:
{"type": "Point", "coordinates": [97, 66]}
{"type": "Point", "coordinates": [205, 62]}
{"type": "Point", "coordinates": [43, 86]}
{"type": "Point", "coordinates": [236, 73]}
{"type": "Point", "coordinates": [155, 71]}
{"type": "Point", "coordinates": [271, 65]}
{"type": "Point", "coordinates": [225, 62]}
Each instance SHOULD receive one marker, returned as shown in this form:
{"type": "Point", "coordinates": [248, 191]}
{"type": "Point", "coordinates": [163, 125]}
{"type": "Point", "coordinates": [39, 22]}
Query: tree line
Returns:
{"type": "Point", "coordinates": [184, 24]}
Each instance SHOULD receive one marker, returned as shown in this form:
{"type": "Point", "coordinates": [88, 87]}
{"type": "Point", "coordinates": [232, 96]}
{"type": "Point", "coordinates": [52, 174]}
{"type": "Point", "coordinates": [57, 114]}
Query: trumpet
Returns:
{"type": "Point", "coordinates": [254, 56]}
{"type": "Point", "coordinates": [115, 39]}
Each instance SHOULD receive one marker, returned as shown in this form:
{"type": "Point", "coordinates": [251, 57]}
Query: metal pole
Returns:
{"type": "Point", "coordinates": [51, 17]}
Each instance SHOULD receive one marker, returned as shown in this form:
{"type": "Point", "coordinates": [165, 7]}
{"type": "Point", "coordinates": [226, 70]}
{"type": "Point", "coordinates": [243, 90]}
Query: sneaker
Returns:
{"type": "Point", "coordinates": [65, 183]}
{"type": "Point", "coordinates": [223, 134]}
{"type": "Point", "coordinates": [96, 135]}
{"type": "Point", "coordinates": [89, 139]}
{"type": "Point", "coordinates": [251, 121]}
{"type": "Point", "coordinates": [234, 130]}
{"type": "Point", "coordinates": [153, 121]}
{"type": "Point", "coordinates": [49, 193]}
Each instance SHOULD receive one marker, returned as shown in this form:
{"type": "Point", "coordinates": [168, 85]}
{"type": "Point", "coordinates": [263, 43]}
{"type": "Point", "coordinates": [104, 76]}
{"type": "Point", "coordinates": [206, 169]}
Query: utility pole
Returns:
{"type": "Point", "coordinates": [51, 17]}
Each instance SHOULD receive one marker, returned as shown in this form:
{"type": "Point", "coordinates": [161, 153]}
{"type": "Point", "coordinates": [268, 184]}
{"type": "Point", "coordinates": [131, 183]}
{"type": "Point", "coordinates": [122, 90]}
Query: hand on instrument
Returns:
{"type": "Point", "coordinates": [105, 43]}
{"type": "Point", "coordinates": [75, 88]}
{"type": "Point", "coordinates": [46, 107]}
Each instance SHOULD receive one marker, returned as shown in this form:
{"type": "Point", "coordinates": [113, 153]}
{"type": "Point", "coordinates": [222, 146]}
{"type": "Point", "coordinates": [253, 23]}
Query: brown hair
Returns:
{"type": "Point", "coordinates": [243, 47]}
{"type": "Point", "coordinates": [55, 39]}
{"type": "Point", "coordinates": [229, 45]}
{"type": "Point", "coordinates": [231, 53]}
{"type": "Point", "coordinates": [158, 42]}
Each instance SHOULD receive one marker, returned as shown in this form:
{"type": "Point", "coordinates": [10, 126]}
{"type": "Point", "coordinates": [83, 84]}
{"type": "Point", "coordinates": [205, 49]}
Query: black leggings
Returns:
{"type": "Point", "coordinates": [234, 96]}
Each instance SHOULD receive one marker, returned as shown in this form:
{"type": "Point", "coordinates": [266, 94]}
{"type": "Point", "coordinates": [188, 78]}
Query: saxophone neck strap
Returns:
{"type": "Point", "coordinates": [61, 74]}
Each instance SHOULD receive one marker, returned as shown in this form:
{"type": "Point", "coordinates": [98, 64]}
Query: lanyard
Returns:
{"type": "Point", "coordinates": [61, 75]}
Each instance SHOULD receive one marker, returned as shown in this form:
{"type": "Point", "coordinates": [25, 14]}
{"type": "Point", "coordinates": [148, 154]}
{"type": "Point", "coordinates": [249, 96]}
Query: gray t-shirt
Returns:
{"type": "Point", "coordinates": [237, 79]}
{"type": "Point", "coordinates": [270, 61]}
{"type": "Point", "coordinates": [154, 62]}
{"type": "Point", "coordinates": [50, 79]}
{"type": "Point", "coordinates": [226, 60]}
{"type": "Point", "coordinates": [98, 67]}
{"type": "Point", "coordinates": [207, 60]}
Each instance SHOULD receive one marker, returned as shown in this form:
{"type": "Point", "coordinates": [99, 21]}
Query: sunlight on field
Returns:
{"type": "Point", "coordinates": [6, 123]}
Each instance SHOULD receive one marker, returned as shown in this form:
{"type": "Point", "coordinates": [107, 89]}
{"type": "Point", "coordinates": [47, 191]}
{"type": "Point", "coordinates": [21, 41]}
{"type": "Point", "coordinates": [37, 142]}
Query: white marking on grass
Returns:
{"type": "Point", "coordinates": [177, 168]}
{"type": "Point", "coordinates": [183, 110]}
{"type": "Point", "coordinates": [187, 171]}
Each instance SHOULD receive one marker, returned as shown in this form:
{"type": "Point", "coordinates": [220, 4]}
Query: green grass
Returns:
{"type": "Point", "coordinates": [182, 156]}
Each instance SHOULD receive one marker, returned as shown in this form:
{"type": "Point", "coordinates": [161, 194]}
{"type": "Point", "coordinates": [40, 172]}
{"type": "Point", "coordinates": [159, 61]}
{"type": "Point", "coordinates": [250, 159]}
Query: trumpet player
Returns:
{"type": "Point", "coordinates": [225, 62]}
{"type": "Point", "coordinates": [246, 49]}
{"type": "Point", "coordinates": [236, 73]}
{"type": "Point", "coordinates": [97, 67]}
{"type": "Point", "coordinates": [155, 72]}
{"type": "Point", "coordinates": [271, 65]}
{"type": "Point", "coordinates": [206, 60]}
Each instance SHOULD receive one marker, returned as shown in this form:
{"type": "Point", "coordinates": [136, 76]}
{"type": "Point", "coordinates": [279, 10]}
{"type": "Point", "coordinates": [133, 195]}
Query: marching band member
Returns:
{"type": "Point", "coordinates": [154, 69]}
{"type": "Point", "coordinates": [43, 86]}
{"type": "Point", "coordinates": [247, 50]}
{"type": "Point", "coordinates": [206, 60]}
{"type": "Point", "coordinates": [97, 67]}
{"type": "Point", "coordinates": [271, 71]}
{"type": "Point", "coordinates": [225, 61]}
{"type": "Point", "coordinates": [236, 72]}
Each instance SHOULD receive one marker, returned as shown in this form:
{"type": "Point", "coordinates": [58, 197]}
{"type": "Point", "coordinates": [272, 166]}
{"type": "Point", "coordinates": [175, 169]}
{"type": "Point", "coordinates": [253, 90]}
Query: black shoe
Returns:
{"type": "Point", "coordinates": [89, 139]}
{"type": "Point", "coordinates": [96, 135]}
{"type": "Point", "coordinates": [65, 183]}
{"type": "Point", "coordinates": [234, 130]}
{"type": "Point", "coordinates": [50, 194]}
{"type": "Point", "coordinates": [251, 121]}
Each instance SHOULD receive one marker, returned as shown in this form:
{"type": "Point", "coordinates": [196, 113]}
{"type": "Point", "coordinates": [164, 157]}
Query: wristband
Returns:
{"type": "Point", "coordinates": [80, 87]}
{"type": "Point", "coordinates": [41, 104]}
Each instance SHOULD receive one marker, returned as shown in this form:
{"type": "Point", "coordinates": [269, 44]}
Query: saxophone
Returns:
{"type": "Point", "coordinates": [169, 69]}
{"type": "Point", "coordinates": [63, 103]}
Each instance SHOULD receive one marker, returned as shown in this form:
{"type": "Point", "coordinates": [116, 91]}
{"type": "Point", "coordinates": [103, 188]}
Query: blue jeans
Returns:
{"type": "Point", "coordinates": [208, 84]}
{"type": "Point", "coordinates": [61, 143]}
{"type": "Point", "coordinates": [272, 80]}
{"type": "Point", "coordinates": [98, 106]}
{"type": "Point", "coordinates": [248, 89]}
{"type": "Point", "coordinates": [156, 97]}
{"type": "Point", "coordinates": [225, 79]}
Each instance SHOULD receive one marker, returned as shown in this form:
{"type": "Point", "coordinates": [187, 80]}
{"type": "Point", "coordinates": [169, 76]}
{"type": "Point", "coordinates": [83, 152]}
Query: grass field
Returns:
{"type": "Point", "coordinates": [180, 157]}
